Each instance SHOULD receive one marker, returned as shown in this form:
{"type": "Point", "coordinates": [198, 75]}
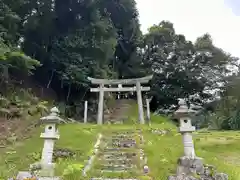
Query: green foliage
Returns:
{"type": "Point", "coordinates": [181, 68]}
{"type": "Point", "coordinates": [8, 24]}
{"type": "Point", "coordinates": [10, 56]}
{"type": "Point", "coordinates": [62, 43]}
{"type": "Point", "coordinates": [14, 59]}
{"type": "Point", "coordinates": [73, 171]}
{"type": "Point", "coordinates": [18, 103]}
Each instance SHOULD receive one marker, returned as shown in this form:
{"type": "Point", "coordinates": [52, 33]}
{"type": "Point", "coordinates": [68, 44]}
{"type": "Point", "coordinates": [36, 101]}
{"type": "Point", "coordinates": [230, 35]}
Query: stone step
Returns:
{"type": "Point", "coordinates": [122, 135]}
{"type": "Point", "coordinates": [117, 153]}
{"type": "Point", "coordinates": [116, 169]}
{"type": "Point", "coordinates": [120, 161]}
{"type": "Point", "coordinates": [116, 159]}
{"type": "Point", "coordinates": [116, 146]}
{"type": "Point", "coordinates": [111, 150]}
{"type": "Point", "coordinates": [113, 158]}
{"type": "Point", "coordinates": [122, 143]}
{"type": "Point", "coordinates": [122, 157]}
{"type": "Point", "coordinates": [125, 137]}
{"type": "Point", "coordinates": [115, 165]}
{"type": "Point", "coordinates": [124, 132]}
{"type": "Point", "coordinates": [112, 166]}
{"type": "Point", "coordinates": [119, 138]}
{"type": "Point", "coordinates": [116, 149]}
{"type": "Point", "coordinates": [110, 179]}
{"type": "Point", "coordinates": [123, 140]}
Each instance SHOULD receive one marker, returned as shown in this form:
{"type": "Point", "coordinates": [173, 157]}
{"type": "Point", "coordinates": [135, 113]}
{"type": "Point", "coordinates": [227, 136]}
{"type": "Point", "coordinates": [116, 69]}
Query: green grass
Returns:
{"type": "Point", "coordinates": [220, 149]}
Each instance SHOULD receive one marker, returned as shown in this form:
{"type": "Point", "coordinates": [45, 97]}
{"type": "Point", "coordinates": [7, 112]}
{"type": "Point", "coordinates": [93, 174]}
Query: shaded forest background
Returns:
{"type": "Point", "coordinates": [57, 44]}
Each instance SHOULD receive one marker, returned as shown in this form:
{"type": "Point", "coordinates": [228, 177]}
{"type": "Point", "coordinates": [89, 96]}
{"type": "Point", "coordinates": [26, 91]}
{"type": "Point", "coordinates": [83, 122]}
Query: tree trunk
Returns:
{"type": "Point", "coordinates": [69, 92]}
{"type": "Point", "coordinates": [50, 80]}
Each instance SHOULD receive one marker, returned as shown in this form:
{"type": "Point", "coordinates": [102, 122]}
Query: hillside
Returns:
{"type": "Point", "coordinates": [48, 51]}
{"type": "Point", "coordinates": [162, 147]}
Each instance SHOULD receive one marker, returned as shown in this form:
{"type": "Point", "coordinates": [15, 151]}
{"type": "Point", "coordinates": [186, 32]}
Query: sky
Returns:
{"type": "Point", "coordinates": [193, 18]}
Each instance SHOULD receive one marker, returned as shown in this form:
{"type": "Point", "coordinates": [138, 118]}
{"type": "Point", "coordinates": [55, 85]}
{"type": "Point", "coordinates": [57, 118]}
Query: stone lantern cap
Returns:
{"type": "Point", "coordinates": [183, 110]}
{"type": "Point", "coordinates": [52, 118]}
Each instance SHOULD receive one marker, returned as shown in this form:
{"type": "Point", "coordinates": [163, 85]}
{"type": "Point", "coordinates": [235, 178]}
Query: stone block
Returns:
{"type": "Point", "coordinates": [49, 178]}
{"type": "Point", "coordinates": [36, 166]}
{"type": "Point", "coordinates": [221, 176]}
{"type": "Point", "coordinates": [47, 170]}
{"type": "Point", "coordinates": [23, 175]}
{"type": "Point", "coordinates": [181, 177]}
{"type": "Point", "coordinates": [188, 165]}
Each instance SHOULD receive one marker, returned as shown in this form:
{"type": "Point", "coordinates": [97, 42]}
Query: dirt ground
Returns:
{"type": "Point", "coordinates": [14, 130]}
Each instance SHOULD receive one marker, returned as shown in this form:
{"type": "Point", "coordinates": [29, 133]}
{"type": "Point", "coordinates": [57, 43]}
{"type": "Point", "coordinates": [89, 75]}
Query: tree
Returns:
{"type": "Point", "coordinates": [75, 39]}
{"type": "Point", "coordinates": [124, 16]}
{"type": "Point", "coordinates": [182, 69]}
{"type": "Point", "coordinates": [11, 57]}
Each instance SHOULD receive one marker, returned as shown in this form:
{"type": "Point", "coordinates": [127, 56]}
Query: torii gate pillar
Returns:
{"type": "Point", "coordinates": [100, 105]}
{"type": "Point", "coordinates": [140, 103]}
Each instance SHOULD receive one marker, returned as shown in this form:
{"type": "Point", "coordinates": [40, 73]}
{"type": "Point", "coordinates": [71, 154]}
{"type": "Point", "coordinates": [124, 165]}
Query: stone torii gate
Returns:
{"type": "Point", "coordinates": [101, 89]}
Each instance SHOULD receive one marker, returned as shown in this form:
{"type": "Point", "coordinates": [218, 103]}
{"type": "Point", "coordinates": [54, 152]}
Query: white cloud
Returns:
{"type": "Point", "coordinates": [193, 18]}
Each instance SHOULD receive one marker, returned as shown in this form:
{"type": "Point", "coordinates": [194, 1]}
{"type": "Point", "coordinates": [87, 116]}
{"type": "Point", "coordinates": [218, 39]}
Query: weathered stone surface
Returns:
{"type": "Point", "coordinates": [160, 132]}
{"type": "Point", "coordinates": [110, 179]}
{"type": "Point", "coordinates": [188, 166]}
{"type": "Point", "coordinates": [218, 176]}
{"type": "Point", "coordinates": [63, 153]}
{"type": "Point", "coordinates": [35, 166]}
{"type": "Point", "coordinates": [119, 153]}
{"type": "Point", "coordinates": [123, 136]}
{"type": "Point", "coordinates": [221, 176]}
{"type": "Point", "coordinates": [49, 178]}
{"type": "Point", "coordinates": [209, 173]}
{"type": "Point", "coordinates": [118, 161]}
{"type": "Point", "coordinates": [117, 166]}
{"type": "Point", "coordinates": [118, 139]}
{"type": "Point", "coordinates": [124, 132]}
{"type": "Point", "coordinates": [124, 143]}
{"type": "Point", "coordinates": [182, 177]}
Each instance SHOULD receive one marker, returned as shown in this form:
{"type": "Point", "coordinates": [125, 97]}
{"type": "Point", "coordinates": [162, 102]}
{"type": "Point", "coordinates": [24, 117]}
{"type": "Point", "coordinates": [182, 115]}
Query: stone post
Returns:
{"type": "Point", "coordinates": [50, 135]}
{"type": "Point", "coordinates": [100, 105]}
{"type": "Point", "coordinates": [119, 93]}
{"type": "Point", "coordinates": [148, 110]}
{"type": "Point", "coordinates": [85, 111]}
{"type": "Point", "coordinates": [189, 161]}
{"type": "Point", "coordinates": [140, 103]}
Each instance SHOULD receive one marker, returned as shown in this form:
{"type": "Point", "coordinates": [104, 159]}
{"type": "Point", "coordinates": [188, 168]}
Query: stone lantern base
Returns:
{"type": "Point", "coordinates": [189, 166]}
{"type": "Point", "coordinates": [47, 170]}
{"type": "Point", "coordinates": [193, 169]}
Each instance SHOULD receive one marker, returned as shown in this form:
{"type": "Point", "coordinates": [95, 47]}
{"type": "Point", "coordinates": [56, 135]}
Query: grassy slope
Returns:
{"type": "Point", "coordinates": [217, 148]}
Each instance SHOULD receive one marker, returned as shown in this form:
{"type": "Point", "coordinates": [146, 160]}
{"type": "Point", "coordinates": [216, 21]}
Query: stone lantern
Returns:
{"type": "Point", "coordinates": [184, 114]}
{"type": "Point", "coordinates": [45, 168]}
{"type": "Point", "coordinates": [189, 162]}
{"type": "Point", "coordinates": [50, 135]}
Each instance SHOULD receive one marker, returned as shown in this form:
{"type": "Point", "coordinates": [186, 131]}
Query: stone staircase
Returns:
{"type": "Point", "coordinates": [120, 156]}
{"type": "Point", "coordinates": [119, 113]}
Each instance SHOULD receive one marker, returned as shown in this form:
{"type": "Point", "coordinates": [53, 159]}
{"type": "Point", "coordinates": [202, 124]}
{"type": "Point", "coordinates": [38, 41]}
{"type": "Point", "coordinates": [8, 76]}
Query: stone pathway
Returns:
{"type": "Point", "coordinates": [119, 113]}
{"type": "Point", "coordinates": [119, 157]}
